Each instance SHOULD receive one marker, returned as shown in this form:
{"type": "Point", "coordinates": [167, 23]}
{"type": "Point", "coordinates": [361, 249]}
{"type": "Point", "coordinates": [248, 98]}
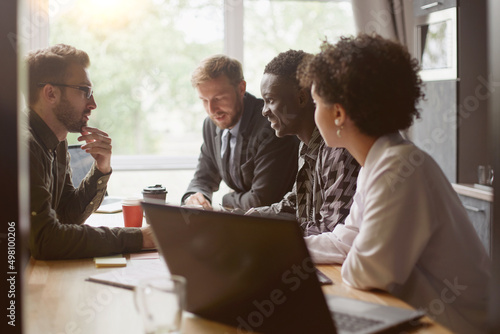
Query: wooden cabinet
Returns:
{"type": "Point", "coordinates": [478, 204]}
{"type": "Point", "coordinates": [480, 214]}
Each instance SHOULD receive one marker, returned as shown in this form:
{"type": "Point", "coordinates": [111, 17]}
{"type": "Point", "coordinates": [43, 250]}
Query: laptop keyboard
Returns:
{"type": "Point", "coordinates": [351, 323]}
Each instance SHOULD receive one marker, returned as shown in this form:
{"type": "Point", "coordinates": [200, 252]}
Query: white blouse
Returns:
{"type": "Point", "coordinates": [409, 234]}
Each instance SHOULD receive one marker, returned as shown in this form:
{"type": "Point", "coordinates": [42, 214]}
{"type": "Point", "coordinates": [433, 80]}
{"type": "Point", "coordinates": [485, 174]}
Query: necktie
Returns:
{"type": "Point", "coordinates": [226, 157]}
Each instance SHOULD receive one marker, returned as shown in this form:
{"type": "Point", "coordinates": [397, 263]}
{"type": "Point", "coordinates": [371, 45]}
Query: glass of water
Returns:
{"type": "Point", "coordinates": [160, 302]}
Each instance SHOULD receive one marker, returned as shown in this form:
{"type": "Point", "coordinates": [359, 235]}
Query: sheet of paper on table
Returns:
{"type": "Point", "coordinates": [145, 255]}
{"type": "Point", "coordinates": [135, 271]}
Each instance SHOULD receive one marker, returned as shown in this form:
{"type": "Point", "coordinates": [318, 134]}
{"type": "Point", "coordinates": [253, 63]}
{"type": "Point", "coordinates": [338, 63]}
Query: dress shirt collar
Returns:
{"type": "Point", "coordinates": [234, 131]}
{"type": "Point", "coordinates": [42, 131]}
{"type": "Point", "coordinates": [311, 149]}
{"type": "Point", "coordinates": [381, 144]}
{"type": "Point", "coordinates": [234, 134]}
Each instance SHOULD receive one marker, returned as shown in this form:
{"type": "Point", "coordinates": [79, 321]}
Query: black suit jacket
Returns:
{"type": "Point", "coordinates": [267, 164]}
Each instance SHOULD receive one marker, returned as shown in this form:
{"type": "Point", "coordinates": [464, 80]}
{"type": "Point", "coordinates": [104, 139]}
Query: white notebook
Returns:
{"type": "Point", "coordinates": [131, 275]}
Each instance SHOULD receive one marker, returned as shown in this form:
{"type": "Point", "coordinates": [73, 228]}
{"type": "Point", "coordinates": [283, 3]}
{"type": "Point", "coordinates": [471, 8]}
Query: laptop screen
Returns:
{"type": "Point", "coordinates": [253, 273]}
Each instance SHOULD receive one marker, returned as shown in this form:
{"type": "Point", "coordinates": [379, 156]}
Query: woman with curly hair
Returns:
{"type": "Point", "coordinates": [407, 232]}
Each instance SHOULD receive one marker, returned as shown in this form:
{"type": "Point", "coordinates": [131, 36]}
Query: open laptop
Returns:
{"type": "Point", "coordinates": [81, 162]}
{"type": "Point", "coordinates": [255, 273]}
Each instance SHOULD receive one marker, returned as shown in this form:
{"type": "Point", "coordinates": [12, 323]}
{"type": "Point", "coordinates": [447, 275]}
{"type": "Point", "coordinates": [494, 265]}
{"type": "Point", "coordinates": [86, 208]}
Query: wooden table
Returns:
{"type": "Point", "coordinates": [60, 300]}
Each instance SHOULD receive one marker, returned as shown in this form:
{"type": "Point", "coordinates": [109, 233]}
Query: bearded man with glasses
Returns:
{"type": "Point", "coordinates": [61, 101]}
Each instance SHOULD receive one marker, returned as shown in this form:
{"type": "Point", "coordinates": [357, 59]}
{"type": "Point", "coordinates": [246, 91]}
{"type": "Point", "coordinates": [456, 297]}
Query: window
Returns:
{"type": "Point", "coordinates": [271, 27]}
{"type": "Point", "coordinates": [143, 52]}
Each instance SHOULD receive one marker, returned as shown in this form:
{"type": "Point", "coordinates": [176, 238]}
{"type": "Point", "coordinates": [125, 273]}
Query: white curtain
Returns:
{"type": "Point", "coordinates": [384, 17]}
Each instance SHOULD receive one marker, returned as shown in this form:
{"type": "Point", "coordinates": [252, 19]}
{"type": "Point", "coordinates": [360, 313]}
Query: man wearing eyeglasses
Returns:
{"type": "Point", "coordinates": [61, 101]}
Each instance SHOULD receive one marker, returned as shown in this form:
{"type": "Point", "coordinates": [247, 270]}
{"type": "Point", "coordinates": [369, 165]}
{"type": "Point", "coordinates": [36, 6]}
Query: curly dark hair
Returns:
{"type": "Point", "coordinates": [286, 63]}
{"type": "Point", "coordinates": [376, 81]}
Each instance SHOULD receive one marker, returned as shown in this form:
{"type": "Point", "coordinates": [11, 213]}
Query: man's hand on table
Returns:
{"type": "Point", "coordinates": [198, 199]}
{"type": "Point", "coordinates": [147, 237]}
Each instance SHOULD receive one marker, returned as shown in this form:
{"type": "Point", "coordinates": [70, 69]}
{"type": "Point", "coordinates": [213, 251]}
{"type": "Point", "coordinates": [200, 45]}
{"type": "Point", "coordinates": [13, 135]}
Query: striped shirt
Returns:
{"type": "Point", "coordinates": [324, 186]}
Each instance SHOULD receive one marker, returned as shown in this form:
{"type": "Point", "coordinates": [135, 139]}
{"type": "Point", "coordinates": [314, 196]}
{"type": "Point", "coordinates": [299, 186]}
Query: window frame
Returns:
{"type": "Point", "coordinates": [233, 47]}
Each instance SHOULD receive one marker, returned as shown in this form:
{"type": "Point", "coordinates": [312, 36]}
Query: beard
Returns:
{"type": "Point", "coordinates": [72, 120]}
{"type": "Point", "coordinates": [233, 117]}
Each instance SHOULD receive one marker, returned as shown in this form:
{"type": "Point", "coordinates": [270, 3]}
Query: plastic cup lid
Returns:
{"type": "Point", "coordinates": [155, 189]}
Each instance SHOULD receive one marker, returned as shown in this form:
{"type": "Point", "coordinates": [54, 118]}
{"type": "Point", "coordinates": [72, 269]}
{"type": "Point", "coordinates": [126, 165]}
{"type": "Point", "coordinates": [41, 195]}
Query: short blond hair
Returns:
{"type": "Point", "coordinates": [215, 66]}
{"type": "Point", "coordinates": [50, 64]}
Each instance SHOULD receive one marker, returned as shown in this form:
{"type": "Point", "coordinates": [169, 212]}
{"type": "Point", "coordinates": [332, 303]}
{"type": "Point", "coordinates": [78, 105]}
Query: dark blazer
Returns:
{"type": "Point", "coordinates": [268, 164]}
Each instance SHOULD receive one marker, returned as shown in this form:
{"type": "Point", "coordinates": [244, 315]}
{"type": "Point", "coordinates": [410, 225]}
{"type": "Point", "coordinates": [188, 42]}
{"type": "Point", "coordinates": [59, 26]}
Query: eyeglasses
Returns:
{"type": "Point", "coordinates": [88, 90]}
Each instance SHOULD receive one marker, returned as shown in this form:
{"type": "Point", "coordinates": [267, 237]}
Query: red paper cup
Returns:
{"type": "Point", "coordinates": [132, 212]}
